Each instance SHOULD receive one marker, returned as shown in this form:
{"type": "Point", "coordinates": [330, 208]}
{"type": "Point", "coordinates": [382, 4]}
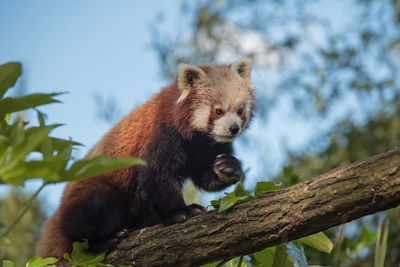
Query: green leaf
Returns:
{"type": "Point", "coordinates": [240, 190]}
{"type": "Point", "coordinates": [64, 151]}
{"type": "Point", "coordinates": [318, 241]}
{"type": "Point", "coordinates": [383, 244]}
{"type": "Point", "coordinates": [48, 168]}
{"type": "Point", "coordinates": [265, 257]}
{"type": "Point", "coordinates": [40, 262]}
{"type": "Point", "coordinates": [215, 203]}
{"type": "Point", "coordinates": [34, 136]}
{"type": "Point", "coordinates": [25, 144]}
{"type": "Point", "coordinates": [238, 195]}
{"type": "Point", "coordinates": [228, 201]}
{"type": "Point", "coordinates": [5, 122]}
{"type": "Point", "coordinates": [41, 117]}
{"type": "Point", "coordinates": [60, 143]}
{"type": "Point", "coordinates": [57, 144]}
{"type": "Point", "coordinates": [214, 264]}
{"type": "Point", "coordinates": [13, 104]}
{"type": "Point", "coordinates": [281, 258]}
{"type": "Point", "coordinates": [68, 257]}
{"type": "Point", "coordinates": [234, 263]}
{"type": "Point", "coordinates": [263, 188]}
{"type": "Point", "coordinates": [244, 198]}
{"type": "Point", "coordinates": [7, 263]}
{"type": "Point", "coordinates": [99, 165]}
{"type": "Point", "coordinates": [378, 244]}
{"type": "Point", "coordinates": [9, 74]}
{"type": "Point", "coordinates": [79, 255]}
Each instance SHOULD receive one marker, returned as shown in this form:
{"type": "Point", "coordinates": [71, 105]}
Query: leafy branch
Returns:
{"type": "Point", "coordinates": [281, 219]}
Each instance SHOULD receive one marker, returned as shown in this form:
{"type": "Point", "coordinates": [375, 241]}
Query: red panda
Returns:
{"type": "Point", "coordinates": [184, 131]}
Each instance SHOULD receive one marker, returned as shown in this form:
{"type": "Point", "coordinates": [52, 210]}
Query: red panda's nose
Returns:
{"type": "Point", "coordinates": [234, 129]}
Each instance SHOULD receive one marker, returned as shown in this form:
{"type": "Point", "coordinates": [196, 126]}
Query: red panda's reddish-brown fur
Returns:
{"type": "Point", "coordinates": [131, 136]}
{"type": "Point", "coordinates": [162, 132]}
{"type": "Point", "coordinates": [135, 131]}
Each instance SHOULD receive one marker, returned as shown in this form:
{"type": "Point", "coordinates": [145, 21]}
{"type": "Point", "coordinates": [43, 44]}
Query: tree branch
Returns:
{"type": "Point", "coordinates": [331, 199]}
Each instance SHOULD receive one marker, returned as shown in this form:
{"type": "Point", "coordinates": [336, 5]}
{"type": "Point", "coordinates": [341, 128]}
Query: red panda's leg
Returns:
{"type": "Point", "coordinates": [94, 211]}
{"type": "Point", "coordinates": [165, 193]}
{"type": "Point", "coordinates": [53, 242]}
{"type": "Point", "coordinates": [225, 172]}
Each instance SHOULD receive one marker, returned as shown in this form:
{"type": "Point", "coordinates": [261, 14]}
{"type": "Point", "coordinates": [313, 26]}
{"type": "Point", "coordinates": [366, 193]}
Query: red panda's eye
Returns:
{"type": "Point", "coordinates": [240, 111]}
{"type": "Point", "coordinates": [219, 111]}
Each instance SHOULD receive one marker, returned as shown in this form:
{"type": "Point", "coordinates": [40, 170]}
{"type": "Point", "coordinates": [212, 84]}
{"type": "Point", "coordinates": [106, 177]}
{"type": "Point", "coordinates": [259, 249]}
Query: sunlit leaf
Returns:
{"type": "Point", "coordinates": [228, 201]}
{"type": "Point", "coordinates": [381, 244]}
{"type": "Point", "coordinates": [215, 203]}
{"type": "Point", "coordinates": [8, 263]}
{"type": "Point", "coordinates": [99, 165]}
{"type": "Point", "coordinates": [214, 264]}
{"type": "Point", "coordinates": [34, 136]}
{"type": "Point", "coordinates": [263, 188]}
{"type": "Point", "coordinates": [58, 143]}
{"type": "Point", "coordinates": [244, 198]}
{"type": "Point", "coordinates": [240, 190]}
{"type": "Point", "coordinates": [68, 257]}
{"type": "Point", "coordinates": [16, 132]}
{"type": "Point", "coordinates": [318, 241]}
{"type": "Point", "coordinates": [48, 168]}
{"type": "Point", "coordinates": [9, 74]}
{"type": "Point", "coordinates": [40, 262]}
{"type": "Point", "coordinates": [281, 258]}
{"type": "Point", "coordinates": [265, 257]}
{"type": "Point", "coordinates": [81, 257]}
{"type": "Point", "coordinates": [239, 195]}
{"type": "Point", "coordinates": [13, 104]}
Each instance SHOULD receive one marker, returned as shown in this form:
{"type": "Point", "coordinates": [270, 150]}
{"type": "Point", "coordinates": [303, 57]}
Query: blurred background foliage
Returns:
{"type": "Point", "coordinates": [26, 233]}
{"type": "Point", "coordinates": [336, 73]}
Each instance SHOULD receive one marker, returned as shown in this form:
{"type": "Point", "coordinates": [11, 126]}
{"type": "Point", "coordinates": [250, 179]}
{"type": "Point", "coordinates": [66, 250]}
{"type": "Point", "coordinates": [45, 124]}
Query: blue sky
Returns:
{"type": "Point", "coordinates": [82, 49]}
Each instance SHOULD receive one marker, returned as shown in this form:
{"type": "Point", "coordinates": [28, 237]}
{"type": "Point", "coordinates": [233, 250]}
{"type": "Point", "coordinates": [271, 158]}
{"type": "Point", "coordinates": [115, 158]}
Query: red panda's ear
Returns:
{"type": "Point", "coordinates": [187, 77]}
{"type": "Point", "coordinates": [243, 68]}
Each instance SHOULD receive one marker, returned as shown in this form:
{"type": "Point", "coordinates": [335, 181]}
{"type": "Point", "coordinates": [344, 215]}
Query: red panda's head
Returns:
{"type": "Point", "coordinates": [218, 99]}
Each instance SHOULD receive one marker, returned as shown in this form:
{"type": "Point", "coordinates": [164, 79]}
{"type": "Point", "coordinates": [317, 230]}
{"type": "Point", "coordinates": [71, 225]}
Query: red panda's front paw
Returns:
{"type": "Point", "coordinates": [228, 168]}
{"type": "Point", "coordinates": [195, 209]}
{"type": "Point", "coordinates": [102, 245]}
{"type": "Point", "coordinates": [185, 213]}
{"type": "Point", "coordinates": [177, 217]}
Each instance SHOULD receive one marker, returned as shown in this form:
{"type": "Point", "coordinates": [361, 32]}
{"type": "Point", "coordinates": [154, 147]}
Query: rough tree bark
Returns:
{"type": "Point", "coordinates": [331, 199]}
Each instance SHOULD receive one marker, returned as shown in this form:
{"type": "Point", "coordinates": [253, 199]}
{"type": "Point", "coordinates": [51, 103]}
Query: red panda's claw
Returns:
{"type": "Point", "coordinates": [122, 233]}
{"type": "Point", "coordinates": [178, 217]}
{"type": "Point", "coordinates": [227, 168]}
{"type": "Point", "coordinates": [195, 209]}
